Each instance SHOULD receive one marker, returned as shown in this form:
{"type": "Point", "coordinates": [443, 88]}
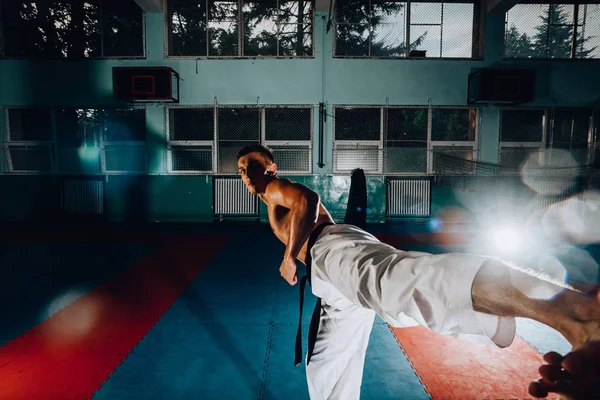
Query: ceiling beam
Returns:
{"type": "Point", "coordinates": [500, 6]}
{"type": "Point", "coordinates": [150, 6]}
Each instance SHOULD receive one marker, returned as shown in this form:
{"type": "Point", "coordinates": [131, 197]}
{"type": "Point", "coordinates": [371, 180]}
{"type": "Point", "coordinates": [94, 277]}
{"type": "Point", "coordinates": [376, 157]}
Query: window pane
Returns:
{"type": "Point", "coordinates": [425, 13]}
{"type": "Point", "coordinates": [187, 24]}
{"type": "Point", "coordinates": [453, 125]}
{"type": "Point", "coordinates": [571, 127]}
{"type": "Point", "coordinates": [238, 124]}
{"type": "Point", "coordinates": [352, 11]}
{"type": "Point", "coordinates": [522, 125]}
{"type": "Point", "coordinates": [223, 28]}
{"type": "Point", "coordinates": [122, 28]}
{"type": "Point", "coordinates": [588, 38]}
{"type": "Point", "coordinates": [29, 124]}
{"type": "Point", "coordinates": [357, 123]}
{"type": "Point", "coordinates": [191, 124]}
{"type": "Point", "coordinates": [193, 158]}
{"type": "Point", "coordinates": [291, 158]}
{"type": "Point", "coordinates": [287, 123]}
{"type": "Point", "coordinates": [407, 124]}
{"type": "Point", "coordinates": [124, 124]}
{"type": "Point", "coordinates": [457, 38]}
{"type": "Point", "coordinates": [77, 128]}
{"type": "Point", "coordinates": [352, 40]}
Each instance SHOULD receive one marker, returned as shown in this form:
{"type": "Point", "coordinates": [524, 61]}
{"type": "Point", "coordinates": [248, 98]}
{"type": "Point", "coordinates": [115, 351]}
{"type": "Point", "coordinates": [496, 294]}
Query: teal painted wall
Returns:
{"type": "Point", "coordinates": [161, 197]}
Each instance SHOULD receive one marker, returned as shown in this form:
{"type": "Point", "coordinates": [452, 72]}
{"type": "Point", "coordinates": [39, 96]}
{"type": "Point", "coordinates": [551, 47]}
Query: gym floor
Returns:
{"type": "Point", "coordinates": [199, 311]}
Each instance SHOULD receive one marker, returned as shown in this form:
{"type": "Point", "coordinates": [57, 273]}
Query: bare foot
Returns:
{"type": "Point", "coordinates": [575, 376]}
{"type": "Point", "coordinates": [581, 310]}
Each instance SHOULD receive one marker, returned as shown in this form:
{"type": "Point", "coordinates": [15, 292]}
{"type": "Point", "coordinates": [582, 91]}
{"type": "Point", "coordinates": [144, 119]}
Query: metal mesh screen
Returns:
{"type": "Point", "coordinates": [348, 157]}
{"type": "Point", "coordinates": [191, 159]}
{"type": "Point", "coordinates": [125, 159]}
{"type": "Point", "coordinates": [288, 132]}
{"type": "Point", "coordinates": [406, 139]}
{"type": "Point", "coordinates": [189, 124]}
{"type": "Point", "coordinates": [369, 28]}
{"type": "Point", "coordinates": [552, 31]}
{"type": "Point", "coordinates": [124, 125]}
{"type": "Point", "coordinates": [66, 29]}
{"type": "Point", "coordinates": [29, 124]}
{"type": "Point", "coordinates": [235, 28]}
{"type": "Point", "coordinates": [292, 159]}
{"type": "Point", "coordinates": [237, 127]}
{"type": "Point", "coordinates": [29, 158]}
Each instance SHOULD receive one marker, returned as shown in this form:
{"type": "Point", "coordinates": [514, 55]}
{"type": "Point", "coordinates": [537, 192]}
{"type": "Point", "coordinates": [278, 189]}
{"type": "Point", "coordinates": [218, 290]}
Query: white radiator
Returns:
{"type": "Point", "coordinates": [231, 197]}
{"type": "Point", "coordinates": [409, 197]}
{"type": "Point", "coordinates": [83, 197]}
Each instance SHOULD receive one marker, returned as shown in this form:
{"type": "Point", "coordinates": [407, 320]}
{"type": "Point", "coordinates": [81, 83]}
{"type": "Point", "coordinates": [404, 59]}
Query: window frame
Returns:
{"type": "Point", "coordinates": [381, 144]}
{"type": "Point", "coordinates": [168, 34]}
{"type": "Point", "coordinates": [477, 35]}
{"type": "Point", "coordinates": [31, 56]}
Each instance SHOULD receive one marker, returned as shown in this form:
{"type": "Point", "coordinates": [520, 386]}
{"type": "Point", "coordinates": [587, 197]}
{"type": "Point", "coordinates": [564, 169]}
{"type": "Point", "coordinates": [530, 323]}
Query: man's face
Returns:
{"type": "Point", "coordinates": [252, 167]}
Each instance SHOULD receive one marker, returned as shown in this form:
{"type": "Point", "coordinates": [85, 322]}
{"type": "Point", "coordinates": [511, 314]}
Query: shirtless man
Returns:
{"type": "Point", "coordinates": [357, 277]}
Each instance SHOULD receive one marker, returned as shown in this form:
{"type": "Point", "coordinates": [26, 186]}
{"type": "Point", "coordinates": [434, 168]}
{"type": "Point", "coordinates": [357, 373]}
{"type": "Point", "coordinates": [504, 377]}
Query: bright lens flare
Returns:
{"type": "Point", "coordinates": [506, 240]}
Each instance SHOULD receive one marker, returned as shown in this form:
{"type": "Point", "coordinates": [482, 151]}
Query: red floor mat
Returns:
{"type": "Point", "coordinates": [70, 354]}
{"type": "Point", "coordinates": [453, 369]}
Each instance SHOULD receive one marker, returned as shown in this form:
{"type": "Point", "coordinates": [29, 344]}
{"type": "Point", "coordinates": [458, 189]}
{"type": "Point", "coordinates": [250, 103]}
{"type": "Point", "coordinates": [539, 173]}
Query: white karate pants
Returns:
{"type": "Point", "coordinates": [357, 277]}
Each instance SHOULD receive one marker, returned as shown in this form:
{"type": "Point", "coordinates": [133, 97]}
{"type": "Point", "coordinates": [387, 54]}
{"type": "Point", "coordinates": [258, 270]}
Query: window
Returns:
{"type": "Point", "coordinates": [240, 28]}
{"type": "Point", "coordinates": [205, 139]}
{"type": "Point", "coordinates": [29, 140]}
{"type": "Point", "coordinates": [76, 140]}
{"type": "Point", "coordinates": [387, 28]}
{"type": "Point", "coordinates": [550, 137]}
{"type": "Point", "coordinates": [546, 31]}
{"type": "Point", "coordinates": [288, 133]}
{"type": "Point", "coordinates": [402, 140]}
{"type": "Point", "coordinates": [54, 29]}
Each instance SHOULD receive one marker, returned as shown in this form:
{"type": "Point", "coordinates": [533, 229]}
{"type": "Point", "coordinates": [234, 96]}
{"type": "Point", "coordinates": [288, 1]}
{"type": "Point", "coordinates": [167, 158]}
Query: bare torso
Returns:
{"type": "Point", "coordinates": [279, 219]}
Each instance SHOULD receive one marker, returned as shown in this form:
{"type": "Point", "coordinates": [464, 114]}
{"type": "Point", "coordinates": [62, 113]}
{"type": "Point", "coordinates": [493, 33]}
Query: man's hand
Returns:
{"type": "Point", "coordinates": [575, 376]}
{"type": "Point", "coordinates": [289, 271]}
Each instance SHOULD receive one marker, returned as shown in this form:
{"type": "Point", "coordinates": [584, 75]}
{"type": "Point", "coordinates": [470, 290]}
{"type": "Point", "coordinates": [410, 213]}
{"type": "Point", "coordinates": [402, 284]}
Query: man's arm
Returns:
{"type": "Point", "coordinates": [303, 204]}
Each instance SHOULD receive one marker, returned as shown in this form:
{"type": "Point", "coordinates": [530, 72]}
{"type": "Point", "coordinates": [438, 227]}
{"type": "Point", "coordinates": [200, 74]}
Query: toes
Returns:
{"type": "Point", "coordinates": [552, 374]}
{"type": "Point", "coordinates": [574, 363]}
{"type": "Point", "coordinates": [536, 389]}
{"type": "Point", "coordinates": [553, 358]}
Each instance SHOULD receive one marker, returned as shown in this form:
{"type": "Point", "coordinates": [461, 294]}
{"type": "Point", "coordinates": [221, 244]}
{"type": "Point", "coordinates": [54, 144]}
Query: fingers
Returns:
{"type": "Point", "coordinates": [553, 374]}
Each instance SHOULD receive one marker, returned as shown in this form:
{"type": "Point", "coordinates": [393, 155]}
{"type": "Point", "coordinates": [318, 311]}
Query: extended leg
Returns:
{"type": "Point", "coordinates": [336, 366]}
{"type": "Point", "coordinates": [502, 290]}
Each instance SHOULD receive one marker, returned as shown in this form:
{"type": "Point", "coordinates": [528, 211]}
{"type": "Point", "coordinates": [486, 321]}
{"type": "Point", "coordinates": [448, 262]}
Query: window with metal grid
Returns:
{"type": "Point", "coordinates": [239, 28]}
{"type": "Point", "coordinates": [358, 139]}
{"type": "Point", "coordinates": [191, 133]}
{"type": "Point", "coordinates": [75, 140]}
{"type": "Point", "coordinates": [548, 31]}
{"type": "Point", "coordinates": [55, 29]}
{"type": "Point", "coordinates": [206, 139]}
{"type": "Point", "coordinates": [392, 29]}
{"type": "Point", "coordinates": [29, 140]}
{"type": "Point", "coordinates": [550, 137]}
{"type": "Point", "coordinates": [401, 139]}
{"type": "Point", "coordinates": [287, 131]}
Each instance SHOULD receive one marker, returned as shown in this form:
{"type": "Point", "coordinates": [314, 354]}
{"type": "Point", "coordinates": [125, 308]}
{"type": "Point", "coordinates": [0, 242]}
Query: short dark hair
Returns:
{"type": "Point", "coordinates": [256, 148]}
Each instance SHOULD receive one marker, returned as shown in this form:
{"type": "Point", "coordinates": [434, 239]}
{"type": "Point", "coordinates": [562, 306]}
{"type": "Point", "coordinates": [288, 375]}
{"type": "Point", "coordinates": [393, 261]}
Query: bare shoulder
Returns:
{"type": "Point", "coordinates": [282, 190]}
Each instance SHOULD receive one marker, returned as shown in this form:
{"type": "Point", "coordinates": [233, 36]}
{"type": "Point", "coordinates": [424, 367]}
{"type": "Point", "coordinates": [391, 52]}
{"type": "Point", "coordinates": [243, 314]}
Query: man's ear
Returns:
{"type": "Point", "coordinates": [271, 170]}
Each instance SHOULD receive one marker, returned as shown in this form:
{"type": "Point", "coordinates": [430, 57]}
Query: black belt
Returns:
{"type": "Point", "coordinates": [314, 320]}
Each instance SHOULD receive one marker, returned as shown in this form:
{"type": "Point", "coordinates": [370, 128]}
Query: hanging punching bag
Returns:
{"type": "Point", "coordinates": [356, 211]}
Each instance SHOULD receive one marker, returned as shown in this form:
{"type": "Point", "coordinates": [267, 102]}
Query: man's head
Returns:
{"type": "Point", "coordinates": [257, 167]}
